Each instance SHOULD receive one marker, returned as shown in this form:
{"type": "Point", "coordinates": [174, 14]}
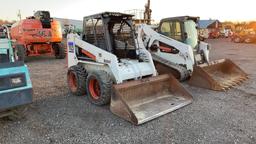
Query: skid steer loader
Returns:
{"type": "Point", "coordinates": [175, 48]}
{"type": "Point", "coordinates": [107, 63]}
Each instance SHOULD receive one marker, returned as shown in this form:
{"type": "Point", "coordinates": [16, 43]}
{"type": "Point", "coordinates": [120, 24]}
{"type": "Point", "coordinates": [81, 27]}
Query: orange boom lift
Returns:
{"type": "Point", "coordinates": [37, 35]}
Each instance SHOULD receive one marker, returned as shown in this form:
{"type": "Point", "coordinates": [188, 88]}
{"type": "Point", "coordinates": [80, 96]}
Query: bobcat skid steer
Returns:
{"type": "Point", "coordinates": [107, 64]}
{"type": "Point", "coordinates": [176, 49]}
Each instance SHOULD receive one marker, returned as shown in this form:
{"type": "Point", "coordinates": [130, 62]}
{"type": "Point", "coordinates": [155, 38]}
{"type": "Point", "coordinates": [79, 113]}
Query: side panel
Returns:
{"type": "Point", "coordinates": [16, 96]}
{"type": "Point", "coordinates": [101, 56]}
{"type": "Point", "coordinates": [151, 38]}
{"type": "Point", "coordinates": [5, 72]}
{"type": "Point", "coordinates": [30, 31]}
{"type": "Point", "coordinates": [121, 69]}
{"type": "Point", "coordinates": [205, 48]}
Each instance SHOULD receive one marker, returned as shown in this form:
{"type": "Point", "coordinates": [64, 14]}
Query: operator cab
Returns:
{"type": "Point", "coordinates": [183, 29]}
{"type": "Point", "coordinates": [112, 32]}
{"type": "Point", "coordinates": [44, 17]}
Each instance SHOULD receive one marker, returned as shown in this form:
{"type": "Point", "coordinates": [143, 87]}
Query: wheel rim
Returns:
{"type": "Point", "coordinates": [94, 88]}
{"type": "Point", "coordinates": [72, 81]}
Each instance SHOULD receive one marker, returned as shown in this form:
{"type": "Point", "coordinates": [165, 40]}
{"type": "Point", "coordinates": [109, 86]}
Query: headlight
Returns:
{"type": "Point", "coordinates": [12, 81]}
{"type": "Point", "coordinates": [16, 80]}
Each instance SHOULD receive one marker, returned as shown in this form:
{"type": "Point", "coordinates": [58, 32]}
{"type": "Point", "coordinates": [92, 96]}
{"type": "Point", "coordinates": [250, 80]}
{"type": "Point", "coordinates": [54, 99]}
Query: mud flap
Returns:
{"type": "Point", "coordinates": [143, 100]}
{"type": "Point", "coordinates": [219, 75]}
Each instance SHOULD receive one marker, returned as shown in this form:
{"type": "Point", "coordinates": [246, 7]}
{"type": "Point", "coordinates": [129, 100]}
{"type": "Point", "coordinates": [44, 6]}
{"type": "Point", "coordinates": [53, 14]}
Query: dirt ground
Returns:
{"type": "Point", "coordinates": [214, 117]}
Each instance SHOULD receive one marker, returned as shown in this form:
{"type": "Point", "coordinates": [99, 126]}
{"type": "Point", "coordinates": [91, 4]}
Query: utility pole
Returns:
{"type": "Point", "coordinates": [147, 13]}
{"type": "Point", "coordinates": [19, 15]}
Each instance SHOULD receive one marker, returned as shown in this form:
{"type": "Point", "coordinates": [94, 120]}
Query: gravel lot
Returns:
{"type": "Point", "coordinates": [213, 117]}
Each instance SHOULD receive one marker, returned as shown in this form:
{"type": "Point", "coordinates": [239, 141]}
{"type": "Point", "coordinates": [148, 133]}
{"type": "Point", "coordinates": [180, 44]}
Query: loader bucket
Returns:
{"type": "Point", "coordinates": [140, 101]}
{"type": "Point", "coordinates": [220, 75]}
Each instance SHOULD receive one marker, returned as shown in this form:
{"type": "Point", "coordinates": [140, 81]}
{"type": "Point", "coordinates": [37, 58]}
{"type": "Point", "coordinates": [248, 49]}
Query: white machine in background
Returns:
{"type": "Point", "coordinates": [178, 54]}
{"type": "Point", "coordinates": [175, 49]}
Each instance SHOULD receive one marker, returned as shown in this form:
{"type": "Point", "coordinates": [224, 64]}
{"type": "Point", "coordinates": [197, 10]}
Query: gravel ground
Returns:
{"type": "Point", "coordinates": [213, 117]}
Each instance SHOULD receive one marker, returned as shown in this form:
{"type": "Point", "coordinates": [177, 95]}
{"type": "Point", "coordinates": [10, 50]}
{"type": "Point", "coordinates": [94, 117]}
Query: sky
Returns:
{"type": "Point", "coordinates": [224, 10]}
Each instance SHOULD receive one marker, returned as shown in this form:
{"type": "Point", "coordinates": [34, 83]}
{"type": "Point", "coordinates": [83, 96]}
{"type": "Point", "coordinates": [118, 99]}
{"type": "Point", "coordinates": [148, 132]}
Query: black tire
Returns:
{"type": "Point", "coordinates": [104, 83]}
{"type": "Point", "coordinates": [76, 78]}
{"type": "Point", "coordinates": [21, 53]}
{"type": "Point", "coordinates": [60, 51]}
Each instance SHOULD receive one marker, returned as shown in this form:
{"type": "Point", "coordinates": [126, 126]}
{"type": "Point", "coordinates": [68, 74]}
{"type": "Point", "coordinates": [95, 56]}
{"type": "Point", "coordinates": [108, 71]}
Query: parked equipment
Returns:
{"type": "Point", "coordinates": [37, 35]}
{"type": "Point", "coordinates": [176, 49]}
{"type": "Point", "coordinates": [15, 83]}
{"type": "Point", "coordinates": [245, 36]}
{"type": "Point", "coordinates": [109, 65]}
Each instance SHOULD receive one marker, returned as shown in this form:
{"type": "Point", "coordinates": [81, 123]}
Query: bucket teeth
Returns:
{"type": "Point", "coordinates": [235, 83]}
{"type": "Point", "coordinates": [225, 86]}
{"type": "Point", "coordinates": [232, 83]}
{"type": "Point", "coordinates": [229, 83]}
{"type": "Point", "coordinates": [228, 88]}
{"type": "Point", "coordinates": [243, 79]}
{"type": "Point", "coordinates": [218, 75]}
{"type": "Point", "coordinates": [239, 82]}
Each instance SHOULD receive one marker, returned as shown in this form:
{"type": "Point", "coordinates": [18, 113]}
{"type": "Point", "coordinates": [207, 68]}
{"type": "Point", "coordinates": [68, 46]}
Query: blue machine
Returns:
{"type": "Point", "coordinates": [15, 83]}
